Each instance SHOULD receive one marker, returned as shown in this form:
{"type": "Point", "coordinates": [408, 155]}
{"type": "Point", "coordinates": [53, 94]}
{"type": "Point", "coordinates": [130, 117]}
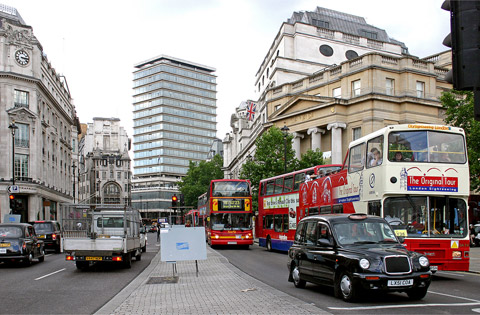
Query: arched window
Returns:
{"type": "Point", "coordinates": [111, 193]}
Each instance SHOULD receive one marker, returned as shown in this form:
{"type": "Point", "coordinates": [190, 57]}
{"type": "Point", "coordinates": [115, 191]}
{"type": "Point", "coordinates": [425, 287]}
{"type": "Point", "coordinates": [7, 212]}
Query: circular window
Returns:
{"type": "Point", "coordinates": [350, 54]}
{"type": "Point", "coordinates": [326, 50]}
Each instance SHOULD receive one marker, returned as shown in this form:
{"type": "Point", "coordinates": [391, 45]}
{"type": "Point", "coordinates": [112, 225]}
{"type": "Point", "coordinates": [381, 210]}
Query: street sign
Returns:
{"type": "Point", "coordinates": [13, 189]}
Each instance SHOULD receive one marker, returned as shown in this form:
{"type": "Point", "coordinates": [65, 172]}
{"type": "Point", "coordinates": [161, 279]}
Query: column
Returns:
{"type": "Point", "coordinates": [337, 154]}
{"type": "Point", "coordinates": [296, 144]}
{"type": "Point", "coordinates": [316, 137]}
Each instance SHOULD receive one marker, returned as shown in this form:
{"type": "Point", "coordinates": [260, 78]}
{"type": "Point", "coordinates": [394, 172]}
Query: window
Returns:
{"type": "Point", "coordinates": [279, 185]}
{"type": "Point", "coordinates": [326, 50]}
{"type": "Point", "coordinates": [368, 34]}
{"type": "Point", "coordinates": [356, 133]}
{"type": "Point", "coordinates": [22, 136]}
{"type": "Point", "coordinates": [320, 23]}
{"type": "Point", "coordinates": [375, 152]}
{"type": "Point", "coordinates": [270, 188]}
{"type": "Point", "coordinates": [356, 88]}
{"type": "Point", "coordinates": [356, 158]}
{"type": "Point", "coordinates": [119, 175]}
{"type": "Point", "coordinates": [20, 98]}
{"type": "Point", "coordinates": [311, 233]}
{"type": "Point", "coordinates": [337, 93]}
{"type": "Point", "coordinates": [390, 86]}
{"type": "Point", "coordinates": [323, 232]}
{"type": "Point", "coordinates": [268, 222]}
{"type": "Point", "coordinates": [420, 89]}
{"type": "Point", "coordinates": [299, 178]}
{"type": "Point", "coordinates": [299, 235]}
{"type": "Point", "coordinates": [288, 183]}
{"type": "Point", "coordinates": [21, 165]}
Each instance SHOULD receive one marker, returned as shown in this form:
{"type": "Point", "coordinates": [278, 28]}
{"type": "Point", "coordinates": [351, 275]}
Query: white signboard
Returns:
{"type": "Point", "coordinates": [183, 243]}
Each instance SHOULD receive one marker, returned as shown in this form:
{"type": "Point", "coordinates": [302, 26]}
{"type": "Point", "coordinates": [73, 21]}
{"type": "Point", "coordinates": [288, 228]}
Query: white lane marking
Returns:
{"type": "Point", "coordinates": [400, 306]}
{"type": "Point", "coordinates": [39, 278]}
{"type": "Point", "coordinates": [476, 310]}
{"type": "Point", "coordinates": [450, 273]}
{"type": "Point", "coordinates": [454, 296]}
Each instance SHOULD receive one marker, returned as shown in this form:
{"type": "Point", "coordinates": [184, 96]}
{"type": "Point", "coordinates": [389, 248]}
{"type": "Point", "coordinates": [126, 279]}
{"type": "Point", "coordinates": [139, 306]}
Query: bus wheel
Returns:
{"type": "Point", "coordinates": [269, 244]}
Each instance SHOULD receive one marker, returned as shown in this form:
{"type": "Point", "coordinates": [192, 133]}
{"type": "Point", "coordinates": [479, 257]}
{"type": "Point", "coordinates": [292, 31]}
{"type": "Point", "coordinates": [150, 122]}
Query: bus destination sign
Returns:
{"type": "Point", "coordinates": [232, 204]}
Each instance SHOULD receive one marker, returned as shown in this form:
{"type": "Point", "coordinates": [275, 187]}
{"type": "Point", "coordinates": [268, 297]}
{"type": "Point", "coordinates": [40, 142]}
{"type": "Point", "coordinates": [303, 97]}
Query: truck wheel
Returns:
{"type": "Point", "coordinates": [127, 260]}
{"type": "Point", "coordinates": [81, 265]}
{"type": "Point", "coordinates": [144, 248]}
{"type": "Point", "coordinates": [138, 257]}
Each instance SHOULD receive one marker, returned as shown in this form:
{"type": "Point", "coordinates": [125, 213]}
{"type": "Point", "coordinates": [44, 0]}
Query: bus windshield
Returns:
{"type": "Point", "coordinates": [230, 189]}
{"type": "Point", "coordinates": [446, 218]}
{"type": "Point", "coordinates": [231, 221]}
{"type": "Point", "coordinates": [426, 146]}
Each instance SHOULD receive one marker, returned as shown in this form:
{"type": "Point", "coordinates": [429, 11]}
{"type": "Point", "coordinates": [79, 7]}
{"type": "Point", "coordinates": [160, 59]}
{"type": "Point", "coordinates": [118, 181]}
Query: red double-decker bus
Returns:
{"type": "Point", "coordinates": [416, 177]}
{"type": "Point", "coordinates": [228, 212]}
{"type": "Point", "coordinates": [278, 211]}
{"type": "Point", "coordinates": [193, 218]}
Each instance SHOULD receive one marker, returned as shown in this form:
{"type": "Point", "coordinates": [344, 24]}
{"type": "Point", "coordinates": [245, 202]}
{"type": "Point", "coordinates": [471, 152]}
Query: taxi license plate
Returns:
{"type": "Point", "coordinates": [93, 258]}
{"type": "Point", "coordinates": [41, 236]}
{"type": "Point", "coordinates": [400, 283]}
{"type": "Point", "coordinates": [3, 250]}
{"type": "Point", "coordinates": [433, 268]}
{"type": "Point", "coordinates": [4, 244]}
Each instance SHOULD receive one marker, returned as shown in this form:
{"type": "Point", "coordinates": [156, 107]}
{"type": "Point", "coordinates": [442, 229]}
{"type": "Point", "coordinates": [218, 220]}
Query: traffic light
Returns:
{"type": "Point", "coordinates": [174, 200]}
{"type": "Point", "coordinates": [182, 200]}
{"type": "Point", "coordinates": [464, 40]}
{"type": "Point", "coordinates": [13, 202]}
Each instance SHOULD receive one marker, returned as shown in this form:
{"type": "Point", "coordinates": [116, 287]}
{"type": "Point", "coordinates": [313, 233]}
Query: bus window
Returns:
{"type": "Point", "coordinates": [338, 208]}
{"type": "Point", "coordinates": [278, 186]}
{"type": "Point", "coordinates": [356, 158]}
{"type": "Point", "coordinates": [313, 211]}
{"type": "Point", "coordinates": [285, 223]}
{"type": "Point", "coordinates": [375, 152]}
{"type": "Point", "coordinates": [325, 210]}
{"type": "Point", "coordinates": [374, 207]}
{"type": "Point", "coordinates": [299, 178]}
{"type": "Point", "coordinates": [278, 223]}
{"type": "Point", "coordinates": [270, 188]}
{"type": "Point", "coordinates": [287, 184]}
{"type": "Point", "coordinates": [268, 222]}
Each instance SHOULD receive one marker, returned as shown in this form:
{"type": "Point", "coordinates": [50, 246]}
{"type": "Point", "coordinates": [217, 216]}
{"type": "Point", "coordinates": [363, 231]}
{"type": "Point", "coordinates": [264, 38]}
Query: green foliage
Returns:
{"type": "Point", "coordinates": [198, 179]}
{"type": "Point", "coordinates": [311, 158]}
{"type": "Point", "coordinates": [459, 113]}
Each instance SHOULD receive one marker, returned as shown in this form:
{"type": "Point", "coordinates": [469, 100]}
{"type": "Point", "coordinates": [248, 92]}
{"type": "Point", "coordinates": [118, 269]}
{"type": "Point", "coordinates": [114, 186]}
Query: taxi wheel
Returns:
{"type": "Point", "coordinates": [42, 257]}
{"type": "Point", "coordinates": [344, 287]}
{"type": "Point", "coordinates": [28, 261]}
{"type": "Point", "coordinates": [417, 293]}
{"type": "Point", "coordinates": [297, 281]}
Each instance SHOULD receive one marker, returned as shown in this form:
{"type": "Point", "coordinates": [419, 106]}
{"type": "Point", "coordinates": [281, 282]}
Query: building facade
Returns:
{"type": "Point", "coordinates": [174, 113]}
{"type": "Point", "coordinates": [347, 97]}
{"type": "Point", "coordinates": [104, 163]}
{"type": "Point", "coordinates": [35, 103]}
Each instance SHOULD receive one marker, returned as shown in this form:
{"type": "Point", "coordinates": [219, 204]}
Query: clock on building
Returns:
{"type": "Point", "coordinates": [22, 57]}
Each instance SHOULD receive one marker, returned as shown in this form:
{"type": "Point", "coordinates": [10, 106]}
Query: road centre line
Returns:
{"type": "Point", "coordinates": [39, 278]}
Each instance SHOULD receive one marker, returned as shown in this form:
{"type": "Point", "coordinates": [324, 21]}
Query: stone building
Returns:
{"type": "Point", "coordinates": [104, 163]}
{"type": "Point", "coordinates": [37, 100]}
{"type": "Point", "coordinates": [361, 83]}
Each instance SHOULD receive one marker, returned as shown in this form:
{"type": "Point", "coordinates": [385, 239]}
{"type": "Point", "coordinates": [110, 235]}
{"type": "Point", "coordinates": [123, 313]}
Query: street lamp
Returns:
{"type": "Point", "coordinates": [13, 128]}
{"type": "Point", "coordinates": [285, 135]}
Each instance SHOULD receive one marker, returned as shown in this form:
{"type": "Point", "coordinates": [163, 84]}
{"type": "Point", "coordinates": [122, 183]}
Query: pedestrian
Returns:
{"type": "Point", "coordinates": [158, 233]}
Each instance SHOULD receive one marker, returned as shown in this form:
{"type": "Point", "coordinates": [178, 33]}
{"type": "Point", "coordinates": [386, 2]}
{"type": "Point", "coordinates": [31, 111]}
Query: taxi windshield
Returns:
{"type": "Point", "coordinates": [363, 232]}
{"type": "Point", "coordinates": [10, 232]}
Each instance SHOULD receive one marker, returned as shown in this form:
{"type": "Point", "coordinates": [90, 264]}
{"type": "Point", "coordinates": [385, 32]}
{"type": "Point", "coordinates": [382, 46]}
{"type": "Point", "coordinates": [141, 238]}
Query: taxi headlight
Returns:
{"type": "Point", "coordinates": [364, 263]}
{"type": "Point", "coordinates": [423, 261]}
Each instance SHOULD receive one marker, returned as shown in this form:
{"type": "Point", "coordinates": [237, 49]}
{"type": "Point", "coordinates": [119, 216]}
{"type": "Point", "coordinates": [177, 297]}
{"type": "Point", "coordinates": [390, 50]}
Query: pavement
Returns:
{"type": "Point", "coordinates": [219, 288]}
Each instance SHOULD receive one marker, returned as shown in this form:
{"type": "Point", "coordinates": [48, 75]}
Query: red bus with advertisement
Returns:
{"type": "Point", "coordinates": [278, 201]}
{"type": "Point", "coordinates": [193, 218]}
{"type": "Point", "coordinates": [228, 211]}
{"type": "Point", "coordinates": [410, 175]}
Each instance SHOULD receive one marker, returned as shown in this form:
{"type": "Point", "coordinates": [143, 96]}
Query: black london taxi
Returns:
{"type": "Point", "coordinates": [50, 232]}
{"type": "Point", "coordinates": [19, 243]}
{"type": "Point", "coordinates": [355, 253]}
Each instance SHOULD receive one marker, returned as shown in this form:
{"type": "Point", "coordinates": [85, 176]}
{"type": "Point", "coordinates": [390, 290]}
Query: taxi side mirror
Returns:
{"type": "Point", "coordinates": [324, 242]}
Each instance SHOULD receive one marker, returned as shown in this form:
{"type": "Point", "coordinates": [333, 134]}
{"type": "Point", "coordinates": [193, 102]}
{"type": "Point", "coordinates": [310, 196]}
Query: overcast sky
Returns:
{"type": "Point", "coordinates": [95, 44]}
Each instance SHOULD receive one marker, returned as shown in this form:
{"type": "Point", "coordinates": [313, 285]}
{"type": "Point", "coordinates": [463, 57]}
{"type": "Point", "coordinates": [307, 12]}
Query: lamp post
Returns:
{"type": "Point", "coordinates": [285, 135]}
{"type": "Point", "coordinates": [13, 128]}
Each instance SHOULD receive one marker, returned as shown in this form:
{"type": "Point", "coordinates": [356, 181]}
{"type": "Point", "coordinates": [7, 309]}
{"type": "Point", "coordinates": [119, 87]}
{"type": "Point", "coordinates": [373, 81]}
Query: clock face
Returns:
{"type": "Point", "coordinates": [22, 57]}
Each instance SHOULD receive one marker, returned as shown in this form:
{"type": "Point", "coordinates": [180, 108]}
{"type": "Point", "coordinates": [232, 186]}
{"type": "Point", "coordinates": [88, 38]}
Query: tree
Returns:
{"type": "Point", "coordinates": [311, 158]}
{"type": "Point", "coordinates": [198, 178]}
{"type": "Point", "coordinates": [459, 113]}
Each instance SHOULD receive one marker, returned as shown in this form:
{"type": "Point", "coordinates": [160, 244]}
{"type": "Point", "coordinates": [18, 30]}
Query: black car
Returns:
{"type": "Point", "coordinates": [355, 253]}
{"type": "Point", "coordinates": [50, 232]}
{"type": "Point", "coordinates": [18, 242]}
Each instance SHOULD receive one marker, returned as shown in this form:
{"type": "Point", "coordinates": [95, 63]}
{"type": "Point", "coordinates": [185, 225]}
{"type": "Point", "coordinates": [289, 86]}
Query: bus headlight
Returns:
{"type": "Point", "coordinates": [423, 261]}
{"type": "Point", "coordinates": [364, 263]}
{"type": "Point", "coordinates": [216, 236]}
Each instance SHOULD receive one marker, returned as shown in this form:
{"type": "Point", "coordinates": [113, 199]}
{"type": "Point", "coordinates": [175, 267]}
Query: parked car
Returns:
{"type": "Point", "coordinates": [50, 232]}
{"type": "Point", "coordinates": [355, 253]}
{"type": "Point", "coordinates": [476, 239]}
{"type": "Point", "coordinates": [19, 243]}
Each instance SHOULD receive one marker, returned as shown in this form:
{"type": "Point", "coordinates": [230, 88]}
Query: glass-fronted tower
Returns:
{"type": "Point", "coordinates": [174, 115]}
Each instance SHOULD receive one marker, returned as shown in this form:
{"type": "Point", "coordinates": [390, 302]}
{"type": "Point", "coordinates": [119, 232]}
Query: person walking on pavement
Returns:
{"type": "Point", "coordinates": [158, 233]}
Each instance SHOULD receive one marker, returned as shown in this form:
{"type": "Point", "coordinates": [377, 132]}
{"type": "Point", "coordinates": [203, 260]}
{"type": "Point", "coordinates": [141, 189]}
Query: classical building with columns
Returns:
{"type": "Point", "coordinates": [37, 105]}
{"type": "Point", "coordinates": [334, 105]}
